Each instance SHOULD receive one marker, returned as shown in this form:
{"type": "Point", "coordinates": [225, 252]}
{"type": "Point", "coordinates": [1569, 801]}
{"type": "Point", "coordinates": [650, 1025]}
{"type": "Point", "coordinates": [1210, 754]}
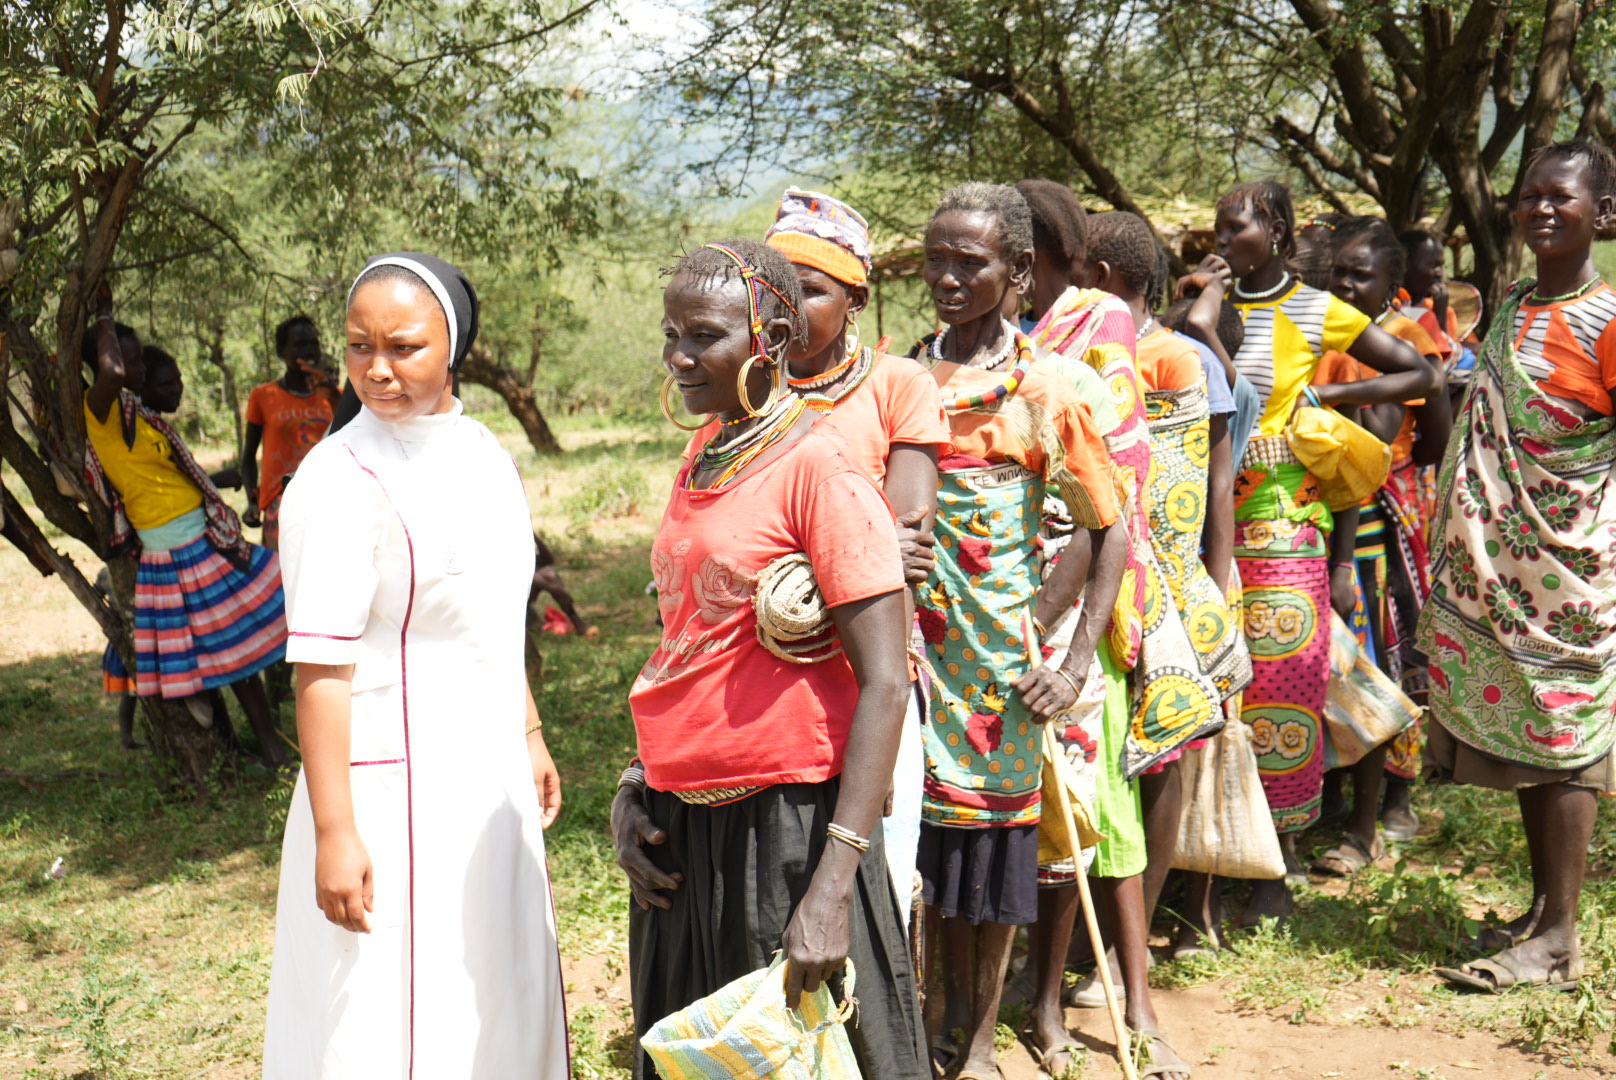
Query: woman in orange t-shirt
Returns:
{"type": "Point", "coordinates": [889, 411]}
{"type": "Point", "coordinates": [751, 821]}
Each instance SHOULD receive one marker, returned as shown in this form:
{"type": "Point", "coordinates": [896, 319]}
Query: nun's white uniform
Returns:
{"type": "Point", "coordinates": [407, 551]}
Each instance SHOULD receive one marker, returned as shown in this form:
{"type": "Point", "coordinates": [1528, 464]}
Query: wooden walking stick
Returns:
{"type": "Point", "coordinates": [1054, 750]}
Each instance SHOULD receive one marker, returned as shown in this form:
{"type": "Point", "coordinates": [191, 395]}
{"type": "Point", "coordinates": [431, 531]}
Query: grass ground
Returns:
{"type": "Point", "coordinates": [149, 956]}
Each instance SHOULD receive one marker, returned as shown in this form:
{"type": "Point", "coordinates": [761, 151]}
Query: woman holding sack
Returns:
{"type": "Point", "coordinates": [751, 821]}
{"type": "Point", "coordinates": [890, 413]}
{"type": "Point", "coordinates": [415, 935]}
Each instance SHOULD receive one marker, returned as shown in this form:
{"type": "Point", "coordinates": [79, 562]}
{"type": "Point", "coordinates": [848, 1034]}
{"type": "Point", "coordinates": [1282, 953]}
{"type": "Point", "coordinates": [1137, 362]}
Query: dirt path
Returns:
{"type": "Point", "coordinates": [1224, 1043]}
{"type": "Point", "coordinates": [38, 616]}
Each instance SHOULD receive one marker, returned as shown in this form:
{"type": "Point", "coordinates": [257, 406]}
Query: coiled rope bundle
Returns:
{"type": "Point", "coordinates": [793, 622]}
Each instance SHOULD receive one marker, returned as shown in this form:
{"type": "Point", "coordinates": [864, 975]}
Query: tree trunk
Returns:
{"type": "Point", "coordinates": [481, 368]}
{"type": "Point", "coordinates": [215, 347]}
{"type": "Point", "coordinates": [183, 752]}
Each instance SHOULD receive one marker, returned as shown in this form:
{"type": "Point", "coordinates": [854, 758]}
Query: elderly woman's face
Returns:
{"type": "Point", "coordinates": [705, 340]}
{"type": "Point", "coordinates": [398, 350]}
{"type": "Point", "coordinates": [966, 267]}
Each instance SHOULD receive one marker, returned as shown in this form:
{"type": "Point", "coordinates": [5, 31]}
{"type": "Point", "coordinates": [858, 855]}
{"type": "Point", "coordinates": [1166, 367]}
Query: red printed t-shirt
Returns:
{"type": "Point", "coordinates": [292, 424]}
{"type": "Point", "coordinates": [1168, 362]}
{"type": "Point", "coordinates": [1569, 348]}
{"type": "Point", "coordinates": [712, 707]}
{"type": "Point", "coordinates": [898, 402]}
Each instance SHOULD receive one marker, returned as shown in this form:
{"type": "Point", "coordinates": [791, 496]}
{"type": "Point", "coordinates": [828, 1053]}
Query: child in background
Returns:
{"type": "Point", "coordinates": [288, 416]}
{"type": "Point", "coordinates": [208, 605]}
{"type": "Point", "coordinates": [1424, 300]}
{"type": "Point", "coordinates": [1391, 563]}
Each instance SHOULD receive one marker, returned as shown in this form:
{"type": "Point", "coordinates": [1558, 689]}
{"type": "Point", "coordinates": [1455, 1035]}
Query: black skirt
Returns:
{"type": "Point", "coordinates": [746, 866]}
{"type": "Point", "coordinates": [985, 875]}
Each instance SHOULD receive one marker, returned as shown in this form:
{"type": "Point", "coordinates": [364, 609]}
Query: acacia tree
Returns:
{"type": "Point", "coordinates": [1428, 108]}
{"type": "Point", "coordinates": [429, 112]}
{"type": "Point", "coordinates": [1471, 89]}
{"type": "Point", "coordinates": [1086, 91]}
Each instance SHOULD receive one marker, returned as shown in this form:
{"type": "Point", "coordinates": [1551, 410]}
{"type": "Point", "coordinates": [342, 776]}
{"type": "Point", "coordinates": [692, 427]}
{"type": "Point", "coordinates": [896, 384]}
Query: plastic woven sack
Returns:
{"type": "Point", "coordinates": [1349, 463]}
{"type": "Point", "coordinates": [746, 1029]}
{"type": "Point", "coordinates": [1226, 828]}
{"type": "Point", "coordinates": [1363, 707]}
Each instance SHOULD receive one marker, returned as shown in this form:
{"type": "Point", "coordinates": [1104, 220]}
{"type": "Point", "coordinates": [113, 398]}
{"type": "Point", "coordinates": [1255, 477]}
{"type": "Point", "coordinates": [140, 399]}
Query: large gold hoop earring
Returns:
{"type": "Point", "coordinates": [852, 340]}
{"type": "Point", "coordinates": [667, 384]}
{"type": "Point", "coordinates": [742, 392]}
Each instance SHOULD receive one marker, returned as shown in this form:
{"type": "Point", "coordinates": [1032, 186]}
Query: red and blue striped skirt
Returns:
{"type": "Point", "coordinates": [202, 623]}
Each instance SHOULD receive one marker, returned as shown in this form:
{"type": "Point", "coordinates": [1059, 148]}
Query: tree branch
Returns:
{"type": "Point", "coordinates": [515, 39]}
{"type": "Point", "coordinates": [1353, 77]}
{"type": "Point", "coordinates": [1550, 76]}
{"type": "Point", "coordinates": [1288, 131]}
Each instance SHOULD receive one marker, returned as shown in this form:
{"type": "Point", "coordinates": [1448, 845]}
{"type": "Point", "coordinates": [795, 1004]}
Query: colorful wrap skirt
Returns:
{"type": "Point", "coordinates": [201, 622]}
{"type": "Point", "coordinates": [1287, 607]}
{"type": "Point", "coordinates": [1393, 580]}
{"type": "Point", "coordinates": [984, 761]}
{"type": "Point", "coordinates": [1180, 433]}
{"type": "Point", "coordinates": [1281, 547]}
{"type": "Point", "coordinates": [115, 678]}
{"type": "Point", "coordinates": [1520, 626]}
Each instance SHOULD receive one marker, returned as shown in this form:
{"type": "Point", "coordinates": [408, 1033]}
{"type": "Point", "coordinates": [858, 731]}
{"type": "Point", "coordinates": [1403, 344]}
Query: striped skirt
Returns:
{"type": "Point", "coordinates": [200, 623]}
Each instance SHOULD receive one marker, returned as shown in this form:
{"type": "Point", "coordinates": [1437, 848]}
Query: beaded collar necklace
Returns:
{"type": "Point", "coordinates": [1575, 295]}
{"type": "Point", "coordinates": [990, 365]}
{"type": "Point", "coordinates": [987, 398]}
{"type": "Point", "coordinates": [857, 369]}
{"type": "Point", "coordinates": [1243, 297]}
{"type": "Point", "coordinates": [731, 457]}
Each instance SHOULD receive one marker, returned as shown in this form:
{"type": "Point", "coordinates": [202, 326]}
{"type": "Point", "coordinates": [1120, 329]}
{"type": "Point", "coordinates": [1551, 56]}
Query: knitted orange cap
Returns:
{"type": "Point", "coordinates": [824, 255]}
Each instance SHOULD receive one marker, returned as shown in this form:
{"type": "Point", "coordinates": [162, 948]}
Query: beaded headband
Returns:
{"type": "Point", "coordinates": [754, 311]}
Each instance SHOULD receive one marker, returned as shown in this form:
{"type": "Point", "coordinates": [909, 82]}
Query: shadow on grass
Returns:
{"type": "Point", "coordinates": [70, 791]}
{"type": "Point", "coordinates": [1380, 936]}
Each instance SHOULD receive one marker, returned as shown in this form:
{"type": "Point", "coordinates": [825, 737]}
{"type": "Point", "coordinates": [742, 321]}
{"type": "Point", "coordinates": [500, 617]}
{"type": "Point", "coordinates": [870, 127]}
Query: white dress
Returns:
{"type": "Point", "coordinates": [407, 551]}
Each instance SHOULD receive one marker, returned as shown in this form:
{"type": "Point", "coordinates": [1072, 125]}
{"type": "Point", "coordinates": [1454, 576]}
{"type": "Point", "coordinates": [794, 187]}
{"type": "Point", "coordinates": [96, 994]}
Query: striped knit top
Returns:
{"type": "Point", "coordinates": [1285, 339]}
{"type": "Point", "coordinates": [1569, 348]}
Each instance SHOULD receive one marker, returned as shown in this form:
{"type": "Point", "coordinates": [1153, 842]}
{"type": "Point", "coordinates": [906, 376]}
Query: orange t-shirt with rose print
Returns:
{"type": "Point", "coordinates": [712, 707]}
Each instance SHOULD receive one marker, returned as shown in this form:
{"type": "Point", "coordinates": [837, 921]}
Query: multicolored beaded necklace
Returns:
{"type": "Point", "coordinates": [738, 453]}
{"type": "Point", "coordinates": [858, 369]}
{"type": "Point", "coordinates": [987, 398]}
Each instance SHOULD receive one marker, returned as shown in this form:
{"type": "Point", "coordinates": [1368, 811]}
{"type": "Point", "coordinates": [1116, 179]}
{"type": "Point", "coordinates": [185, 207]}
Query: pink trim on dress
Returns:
{"type": "Point", "coordinates": [389, 761]}
{"type": "Point", "coordinates": [409, 774]}
{"type": "Point", "coordinates": [334, 637]}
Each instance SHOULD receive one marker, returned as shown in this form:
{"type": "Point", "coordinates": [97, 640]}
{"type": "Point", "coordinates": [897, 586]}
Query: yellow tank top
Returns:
{"type": "Point", "coordinates": [153, 489]}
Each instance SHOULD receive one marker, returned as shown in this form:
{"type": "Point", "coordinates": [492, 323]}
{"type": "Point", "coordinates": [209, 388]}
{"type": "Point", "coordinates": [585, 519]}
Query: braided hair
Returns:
{"type": "Point", "coordinates": [781, 294]}
{"type": "Point", "coordinates": [1269, 202]}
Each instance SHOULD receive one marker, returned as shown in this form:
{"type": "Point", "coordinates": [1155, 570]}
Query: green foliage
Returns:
{"type": "Point", "coordinates": [1415, 910]}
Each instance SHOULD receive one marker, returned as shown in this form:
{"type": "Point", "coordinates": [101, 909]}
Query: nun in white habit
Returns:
{"type": "Point", "coordinates": [415, 936]}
